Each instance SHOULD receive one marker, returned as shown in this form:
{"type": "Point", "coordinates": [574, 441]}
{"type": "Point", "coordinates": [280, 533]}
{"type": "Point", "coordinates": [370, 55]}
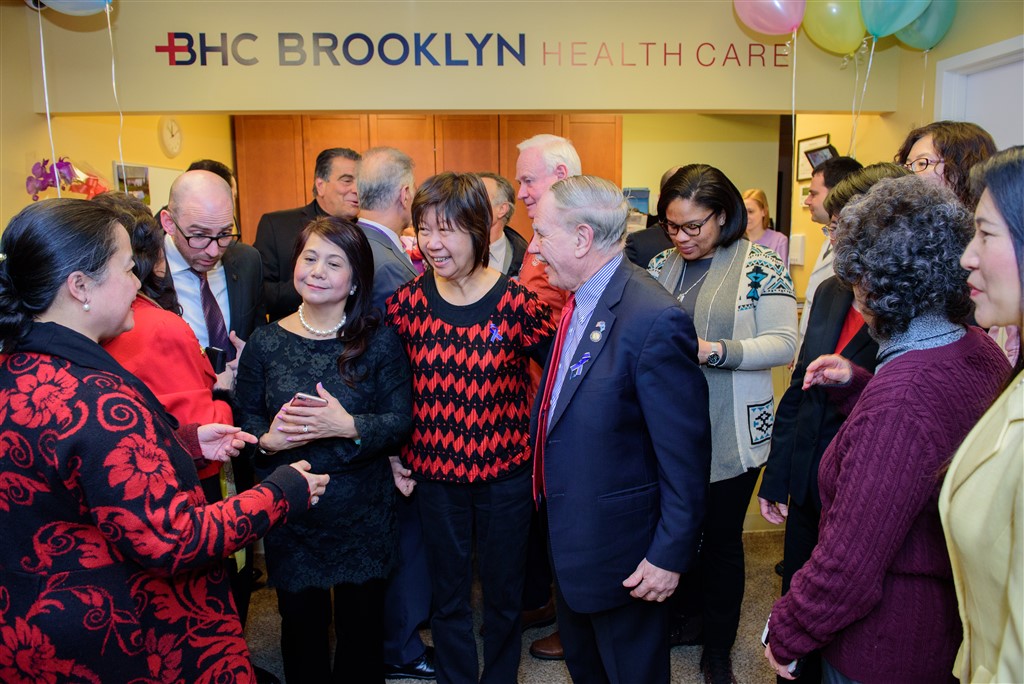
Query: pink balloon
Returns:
{"type": "Point", "coordinates": [771, 16]}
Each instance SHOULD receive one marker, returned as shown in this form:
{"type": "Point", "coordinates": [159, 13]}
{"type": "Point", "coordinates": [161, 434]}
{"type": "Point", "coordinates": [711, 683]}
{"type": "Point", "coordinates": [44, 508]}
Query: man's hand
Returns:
{"type": "Point", "coordinates": [773, 511]}
{"type": "Point", "coordinates": [651, 583]}
{"type": "Point", "coordinates": [403, 476]}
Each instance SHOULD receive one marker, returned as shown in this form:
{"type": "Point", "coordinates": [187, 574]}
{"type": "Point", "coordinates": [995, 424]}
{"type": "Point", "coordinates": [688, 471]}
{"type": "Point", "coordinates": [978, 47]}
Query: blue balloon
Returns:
{"type": "Point", "coordinates": [78, 8]}
{"type": "Point", "coordinates": [927, 30]}
{"type": "Point", "coordinates": [885, 17]}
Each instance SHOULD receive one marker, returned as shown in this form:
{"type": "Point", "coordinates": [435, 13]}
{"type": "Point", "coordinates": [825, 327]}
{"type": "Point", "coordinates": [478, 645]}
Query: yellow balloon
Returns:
{"type": "Point", "coordinates": [835, 25]}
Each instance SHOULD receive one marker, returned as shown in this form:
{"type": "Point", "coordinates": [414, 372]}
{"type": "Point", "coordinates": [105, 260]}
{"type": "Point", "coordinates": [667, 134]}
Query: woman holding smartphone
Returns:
{"type": "Point", "coordinates": [330, 385]}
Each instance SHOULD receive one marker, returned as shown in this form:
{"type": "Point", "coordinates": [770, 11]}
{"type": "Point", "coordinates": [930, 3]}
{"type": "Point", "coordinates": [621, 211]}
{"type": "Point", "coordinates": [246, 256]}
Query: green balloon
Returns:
{"type": "Point", "coordinates": [835, 25]}
{"type": "Point", "coordinates": [927, 30]}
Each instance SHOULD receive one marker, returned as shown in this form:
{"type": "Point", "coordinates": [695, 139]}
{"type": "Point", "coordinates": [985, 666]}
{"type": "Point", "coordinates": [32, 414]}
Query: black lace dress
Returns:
{"type": "Point", "coordinates": [351, 535]}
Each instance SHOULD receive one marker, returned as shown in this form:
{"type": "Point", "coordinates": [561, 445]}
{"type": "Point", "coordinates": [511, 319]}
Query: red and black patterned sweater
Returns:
{"type": "Point", "coordinates": [470, 371]}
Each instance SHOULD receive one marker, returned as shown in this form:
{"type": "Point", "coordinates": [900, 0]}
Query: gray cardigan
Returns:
{"type": "Point", "coordinates": [748, 304]}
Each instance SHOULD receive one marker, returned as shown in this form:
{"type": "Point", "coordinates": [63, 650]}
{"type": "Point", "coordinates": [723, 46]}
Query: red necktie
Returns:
{"type": "Point", "coordinates": [545, 404]}
{"type": "Point", "coordinates": [215, 329]}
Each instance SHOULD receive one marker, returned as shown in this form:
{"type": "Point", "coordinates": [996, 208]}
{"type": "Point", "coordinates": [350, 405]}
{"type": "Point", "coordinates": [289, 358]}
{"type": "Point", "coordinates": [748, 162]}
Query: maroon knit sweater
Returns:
{"type": "Point", "coordinates": [877, 595]}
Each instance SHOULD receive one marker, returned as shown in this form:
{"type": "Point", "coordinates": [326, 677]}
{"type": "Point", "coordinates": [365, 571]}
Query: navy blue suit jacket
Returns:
{"type": "Point", "coordinates": [628, 453]}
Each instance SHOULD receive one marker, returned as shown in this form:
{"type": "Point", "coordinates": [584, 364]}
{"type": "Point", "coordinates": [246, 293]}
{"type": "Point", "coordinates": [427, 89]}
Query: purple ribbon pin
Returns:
{"type": "Point", "coordinates": [495, 335]}
{"type": "Point", "coordinates": [577, 368]}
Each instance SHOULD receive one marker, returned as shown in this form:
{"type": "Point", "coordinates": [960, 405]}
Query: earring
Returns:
{"type": "Point", "coordinates": [86, 307]}
{"type": "Point", "coordinates": [353, 290]}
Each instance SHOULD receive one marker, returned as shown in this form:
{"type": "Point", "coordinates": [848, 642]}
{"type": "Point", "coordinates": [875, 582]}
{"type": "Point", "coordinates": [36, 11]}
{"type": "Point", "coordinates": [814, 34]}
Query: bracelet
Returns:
{"type": "Point", "coordinates": [263, 452]}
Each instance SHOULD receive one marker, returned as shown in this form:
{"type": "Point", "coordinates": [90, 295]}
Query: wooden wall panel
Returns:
{"type": "Point", "coordinates": [466, 143]}
{"type": "Point", "coordinates": [598, 139]}
{"type": "Point", "coordinates": [268, 163]}
{"type": "Point", "coordinates": [321, 131]}
{"type": "Point", "coordinates": [411, 133]}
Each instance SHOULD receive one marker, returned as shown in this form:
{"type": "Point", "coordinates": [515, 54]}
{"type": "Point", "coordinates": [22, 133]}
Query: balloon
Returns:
{"type": "Point", "coordinates": [835, 25]}
{"type": "Point", "coordinates": [78, 8]}
{"type": "Point", "coordinates": [771, 16]}
{"type": "Point", "coordinates": [927, 30]}
{"type": "Point", "coordinates": [885, 17]}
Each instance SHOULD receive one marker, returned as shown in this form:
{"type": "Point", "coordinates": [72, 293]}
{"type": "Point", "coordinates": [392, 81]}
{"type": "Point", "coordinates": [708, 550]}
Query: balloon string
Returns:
{"type": "Point", "coordinates": [46, 99]}
{"type": "Point", "coordinates": [792, 105]}
{"type": "Point", "coordinates": [863, 94]}
{"type": "Point", "coordinates": [113, 85]}
{"type": "Point", "coordinates": [853, 104]}
{"type": "Point", "coordinates": [924, 77]}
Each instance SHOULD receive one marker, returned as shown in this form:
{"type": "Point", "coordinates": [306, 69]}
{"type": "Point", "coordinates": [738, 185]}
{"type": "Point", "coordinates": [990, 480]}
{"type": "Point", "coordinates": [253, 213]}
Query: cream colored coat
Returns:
{"type": "Point", "coordinates": [982, 508]}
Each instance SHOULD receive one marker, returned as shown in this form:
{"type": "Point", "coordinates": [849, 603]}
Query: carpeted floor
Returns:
{"type": "Point", "coordinates": [763, 551]}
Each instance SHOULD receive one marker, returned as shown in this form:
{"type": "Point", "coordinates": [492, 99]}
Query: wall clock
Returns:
{"type": "Point", "coordinates": [170, 135]}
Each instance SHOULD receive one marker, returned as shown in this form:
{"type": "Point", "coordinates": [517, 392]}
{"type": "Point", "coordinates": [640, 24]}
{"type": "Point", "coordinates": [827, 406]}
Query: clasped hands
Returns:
{"type": "Point", "coordinates": [297, 425]}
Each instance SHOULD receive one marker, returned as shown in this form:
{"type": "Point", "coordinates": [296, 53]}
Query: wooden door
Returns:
{"type": "Point", "coordinates": [269, 167]}
{"type": "Point", "coordinates": [466, 143]}
{"type": "Point", "coordinates": [514, 129]}
{"type": "Point", "coordinates": [598, 140]}
{"type": "Point", "coordinates": [410, 133]}
{"type": "Point", "coordinates": [321, 132]}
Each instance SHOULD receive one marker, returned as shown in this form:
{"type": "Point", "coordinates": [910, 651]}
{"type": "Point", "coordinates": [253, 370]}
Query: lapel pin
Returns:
{"type": "Point", "coordinates": [595, 336]}
{"type": "Point", "coordinates": [495, 335]}
{"type": "Point", "coordinates": [577, 368]}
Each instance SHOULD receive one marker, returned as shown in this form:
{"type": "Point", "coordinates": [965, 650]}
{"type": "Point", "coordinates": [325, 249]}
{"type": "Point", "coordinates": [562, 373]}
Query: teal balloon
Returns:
{"type": "Point", "coordinates": [78, 8]}
{"type": "Point", "coordinates": [927, 30]}
{"type": "Point", "coordinates": [886, 17]}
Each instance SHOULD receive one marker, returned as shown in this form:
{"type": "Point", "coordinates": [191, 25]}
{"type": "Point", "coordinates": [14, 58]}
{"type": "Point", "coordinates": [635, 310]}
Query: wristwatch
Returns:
{"type": "Point", "coordinates": [714, 358]}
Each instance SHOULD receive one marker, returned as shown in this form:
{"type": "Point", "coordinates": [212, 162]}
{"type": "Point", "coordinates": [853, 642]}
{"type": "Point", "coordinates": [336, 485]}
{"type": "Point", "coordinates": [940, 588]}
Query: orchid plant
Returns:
{"type": "Point", "coordinates": [45, 176]}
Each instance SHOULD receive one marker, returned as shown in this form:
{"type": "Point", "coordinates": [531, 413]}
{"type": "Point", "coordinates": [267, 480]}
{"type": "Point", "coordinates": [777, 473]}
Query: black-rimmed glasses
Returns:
{"type": "Point", "coordinates": [224, 240]}
{"type": "Point", "coordinates": [692, 228]}
{"type": "Point", "coordinates": [921, 164]}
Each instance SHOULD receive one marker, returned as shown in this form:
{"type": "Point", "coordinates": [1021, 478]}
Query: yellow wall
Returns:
{"type": "Point", "coordinates": [745, 148]}
{"type": "Point", "coordinates": [89, 141]}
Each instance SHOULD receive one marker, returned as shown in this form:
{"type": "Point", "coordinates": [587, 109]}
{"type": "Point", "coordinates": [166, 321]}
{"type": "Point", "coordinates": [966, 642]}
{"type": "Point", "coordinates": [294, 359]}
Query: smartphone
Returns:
{"type": "Point", "coordinates": [797, 666]}
{"type": "Point", "coordinates": [308, 400]}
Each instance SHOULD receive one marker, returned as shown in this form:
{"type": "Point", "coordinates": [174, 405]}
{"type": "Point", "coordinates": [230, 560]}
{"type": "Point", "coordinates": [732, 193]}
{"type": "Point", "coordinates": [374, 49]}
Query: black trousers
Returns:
{"type": "Point", "coordinates": [407, 599]}
{"type": "Point", "coordinates": [801, 538]}
{"type": "Point", "coordinates": [720, 564]}
{"type": "Point", "coordinates": [358, 624]}
{"type": "Point", "coordinates": [498, 512]}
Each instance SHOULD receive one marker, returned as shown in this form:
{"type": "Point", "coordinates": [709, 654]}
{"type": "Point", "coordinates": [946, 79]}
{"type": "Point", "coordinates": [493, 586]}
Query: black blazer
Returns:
{"type": "Point", "coordinates": [519, 245]}
{"type": "Point", "coordinates": [644, 245]}
{"type": "Point", "coordinates": [275, 240]}
{"type": "Point", "coordinates": [806, 422]}
{"type": "Point", "coordinates": [627, 457]}
{"type": "Point", "coordinates": [245, 292]}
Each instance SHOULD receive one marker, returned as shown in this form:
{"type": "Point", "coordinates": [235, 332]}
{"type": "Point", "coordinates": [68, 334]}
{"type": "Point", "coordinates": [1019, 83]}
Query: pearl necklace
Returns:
{"type": "Point", "coordinates": [321, 333]}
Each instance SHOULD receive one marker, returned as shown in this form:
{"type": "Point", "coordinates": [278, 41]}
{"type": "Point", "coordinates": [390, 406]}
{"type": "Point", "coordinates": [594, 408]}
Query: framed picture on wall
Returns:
{"type": "Point", "coordinates": [804, 170]}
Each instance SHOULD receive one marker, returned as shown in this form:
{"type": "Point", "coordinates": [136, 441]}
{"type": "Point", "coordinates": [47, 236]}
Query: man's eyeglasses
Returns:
{"type": "Point", "coordinates": [692, 228]}
{"type": "Point", "coordinates": [224, 240]}
{"type": "Point", "coordinates": [829, 230]}
{"type": "Point", "coordinates": [921, 164]}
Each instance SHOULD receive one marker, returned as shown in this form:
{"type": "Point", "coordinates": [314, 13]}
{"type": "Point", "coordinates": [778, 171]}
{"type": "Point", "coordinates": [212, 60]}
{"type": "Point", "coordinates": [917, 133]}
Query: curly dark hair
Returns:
{"type": "Point", "coordinates": [900, 246]}
{"type": "Point", "coordinates": [362, 318]}
{"type": "Point", "coordinates": [962, 144]}
{"type": "Point", "coordinates": [147, 238]}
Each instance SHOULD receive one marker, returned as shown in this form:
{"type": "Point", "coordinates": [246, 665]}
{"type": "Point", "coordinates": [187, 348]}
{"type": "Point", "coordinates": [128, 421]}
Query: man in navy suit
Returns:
{"type": "Point", "coordinates": [386, 188]}
{"type": "Point", "coordinates": [622, 440]}
{"type": "Point", "coordinates": [334, 194]}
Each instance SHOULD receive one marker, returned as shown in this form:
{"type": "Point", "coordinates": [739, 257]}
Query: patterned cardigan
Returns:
{"type": "Point", "coordinates": [747, 303]}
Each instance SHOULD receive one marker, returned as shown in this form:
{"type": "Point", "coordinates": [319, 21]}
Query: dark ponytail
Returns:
{"type": "Point", "coordinates": [42, 245]}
